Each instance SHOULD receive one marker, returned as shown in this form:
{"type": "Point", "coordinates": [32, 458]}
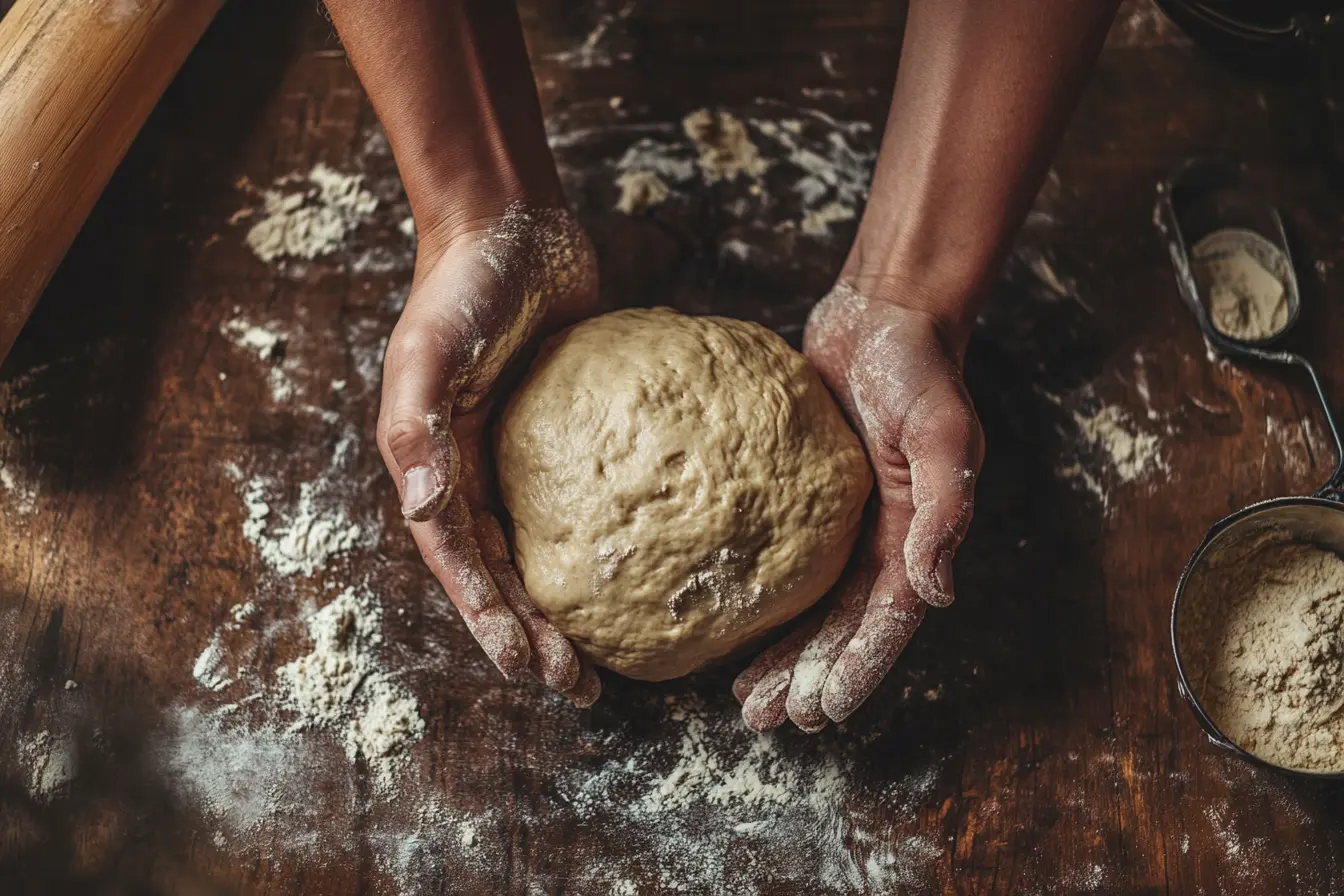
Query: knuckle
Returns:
{"type": "Point", "coordinates": [402, 437]}
{"type": "Point", "coordinates": [410, 345]}
{"type": "Point", "coordinates": [945, 420]}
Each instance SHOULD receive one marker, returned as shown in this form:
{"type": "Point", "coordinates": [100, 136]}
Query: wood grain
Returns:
{"type": "Point", "coordinates": [77, 80]}
{"type": "Point", "coordinates": [1031, 740]}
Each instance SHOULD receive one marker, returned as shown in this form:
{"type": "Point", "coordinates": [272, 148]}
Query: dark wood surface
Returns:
{"type": "Point", "coordinates": [1031, 740]}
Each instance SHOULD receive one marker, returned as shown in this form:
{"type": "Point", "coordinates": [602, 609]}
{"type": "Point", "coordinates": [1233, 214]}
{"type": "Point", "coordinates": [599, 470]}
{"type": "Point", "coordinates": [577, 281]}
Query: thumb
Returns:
{"type": "Point", "coordinates": [414, 437]}
{"type": "Point", "coordinates": [943, 443]}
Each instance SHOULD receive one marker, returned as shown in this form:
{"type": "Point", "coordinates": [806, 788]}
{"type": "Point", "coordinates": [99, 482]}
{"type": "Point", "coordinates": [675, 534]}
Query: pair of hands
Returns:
{"type": "Point", "coordinates": [479, 303]}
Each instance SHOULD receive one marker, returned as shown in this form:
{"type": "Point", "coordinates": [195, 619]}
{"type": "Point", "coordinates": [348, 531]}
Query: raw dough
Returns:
{"type": "Point", "coordinates": [678, 485]}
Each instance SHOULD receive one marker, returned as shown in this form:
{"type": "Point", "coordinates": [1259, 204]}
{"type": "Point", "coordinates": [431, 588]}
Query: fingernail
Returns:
{"type": "Point", "coordinates": [421, 490]}
{"type": "Point", "coordinates": [942, 574]}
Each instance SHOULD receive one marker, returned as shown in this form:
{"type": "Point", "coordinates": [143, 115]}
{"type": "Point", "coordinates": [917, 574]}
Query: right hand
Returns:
{"type": "Point", "coordinates": [479, 303]}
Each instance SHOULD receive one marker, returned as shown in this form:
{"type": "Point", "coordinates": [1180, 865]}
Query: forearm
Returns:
{"type": "Point", "coordinates": [984, 91]}
{"type": "Point", "coordinates": [452, 84]}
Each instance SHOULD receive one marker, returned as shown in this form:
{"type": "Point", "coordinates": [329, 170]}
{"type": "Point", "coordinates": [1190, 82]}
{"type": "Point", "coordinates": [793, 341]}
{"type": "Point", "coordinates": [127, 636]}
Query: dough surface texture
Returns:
{"type": "Point", "coordinates": [678, 486]}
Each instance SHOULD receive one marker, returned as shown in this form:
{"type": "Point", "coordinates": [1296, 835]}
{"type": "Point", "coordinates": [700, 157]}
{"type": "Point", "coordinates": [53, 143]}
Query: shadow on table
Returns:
{"type": "Point", "coordinates": [79, 810]}
{"type": "Point", "coordinates": [82, 369]}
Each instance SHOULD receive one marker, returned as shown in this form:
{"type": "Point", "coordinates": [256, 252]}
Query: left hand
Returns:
{"type": "Point", "coordinates": [898, 374]}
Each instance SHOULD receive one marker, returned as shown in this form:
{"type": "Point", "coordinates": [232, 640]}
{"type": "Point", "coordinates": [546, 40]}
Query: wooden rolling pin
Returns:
{"type": "Point", "coordinates": [78, 78]}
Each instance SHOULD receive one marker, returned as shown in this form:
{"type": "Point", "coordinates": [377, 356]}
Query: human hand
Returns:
{"type": "Point", "coordinates": [897, 373]}
{"type": "Point", "coordinates": [478, 303]}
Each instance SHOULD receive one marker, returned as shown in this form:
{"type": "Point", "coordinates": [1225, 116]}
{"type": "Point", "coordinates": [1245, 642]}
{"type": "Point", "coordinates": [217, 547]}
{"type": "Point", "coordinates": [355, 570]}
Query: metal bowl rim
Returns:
{"type": "Point", "coordinates": [1187, 693]}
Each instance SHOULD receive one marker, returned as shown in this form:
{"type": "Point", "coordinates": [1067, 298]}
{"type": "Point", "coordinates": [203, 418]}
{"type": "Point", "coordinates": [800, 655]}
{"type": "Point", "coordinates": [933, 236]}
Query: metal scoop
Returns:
{"type": "Point", "coordinates": [1202, 198]}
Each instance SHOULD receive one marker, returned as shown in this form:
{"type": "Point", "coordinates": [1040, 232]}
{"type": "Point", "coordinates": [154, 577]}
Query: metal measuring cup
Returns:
{"type": "Point", "coordinates": [1202, 197]}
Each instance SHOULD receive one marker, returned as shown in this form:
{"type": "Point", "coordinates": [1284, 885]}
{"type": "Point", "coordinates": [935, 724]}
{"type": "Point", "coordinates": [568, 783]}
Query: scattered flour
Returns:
{"type": "Point", "coordinates": [818, 222]}
{"type": "Point", "coordinates": [262, 340]}
{"type": "Point", "coordinates": [640, 190]}
{"type": "Point", "coordinates": [269, 345]}
{"type": "Point", "coordinates": [819, 167]}
{"type": "Point", "coordinates": [211, 670]}
{"type": "Point", "coordinates": [317, 528]}
{"type": "Point", "coordinates": [51, 761]}
{"type": "Point", "coordinates": [733, 804]}
{"type": "Point", "coordinates": [313, 221]}
{"type": "Point", "coordinates": [342, 685]}
{"type": "Point", "coordinates": [245, 778]}
{"type": "Point", "coordinates": [23, 496]}
{"type": "Point", "coordinates": [368, 345]}
{"type": "Point", "coordinates": [726, 150]}
{"type": "Point", "coordinates": [594, 51]}
{"type": "Point", "coordinates": [1130, 452]}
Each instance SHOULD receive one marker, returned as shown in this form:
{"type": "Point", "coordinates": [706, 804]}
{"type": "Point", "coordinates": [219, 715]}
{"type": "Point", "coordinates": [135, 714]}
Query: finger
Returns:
{"type": "Point", "coordinates": [892, 614]}
{"type": "Point", "coordinates": [944, 445]}
{"type": "Point", "coordinates": [589, 687]}
{"type": "Point", "coordinates": [425, 365]}
{"type": "Point", "coordinates": [554, 662]}
{"type": "Point", "coordinates": [763, 708]}
{"type": "Point", "coordinates": [819, 656]}
{"type": "Point", "coordinates": [764, 663]}
{"type": "Point", "coordinates": [448, 544]}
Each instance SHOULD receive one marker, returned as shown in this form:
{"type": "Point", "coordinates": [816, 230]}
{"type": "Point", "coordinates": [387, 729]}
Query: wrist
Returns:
{"type": "Point", "coordinates": [949, 299]}
{"type": "Point", "coordinates": [458, 193]}
{"type": "Point", "coordinates": [453, 87]}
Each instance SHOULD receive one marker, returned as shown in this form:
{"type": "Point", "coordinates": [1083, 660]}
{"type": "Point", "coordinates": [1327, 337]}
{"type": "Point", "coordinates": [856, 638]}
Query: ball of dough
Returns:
{"type": "Point", "coordinates": [678, 485]}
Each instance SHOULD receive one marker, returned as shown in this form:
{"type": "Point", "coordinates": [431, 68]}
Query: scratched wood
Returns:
{"type": "Point", "coordinates": [1030, 740]}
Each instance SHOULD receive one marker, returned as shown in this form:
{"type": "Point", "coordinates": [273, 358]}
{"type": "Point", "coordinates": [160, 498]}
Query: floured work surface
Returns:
{"type": "Point", "coordinates": [189, 484]}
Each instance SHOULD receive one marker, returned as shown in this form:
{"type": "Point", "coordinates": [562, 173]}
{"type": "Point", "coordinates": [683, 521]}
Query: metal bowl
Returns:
{"type": "Point", "coordinates": [1317, 521]}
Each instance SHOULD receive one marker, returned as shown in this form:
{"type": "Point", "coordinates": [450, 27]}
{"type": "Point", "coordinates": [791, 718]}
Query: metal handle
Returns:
{"type": "Point", "coordinates": [1169, 226]}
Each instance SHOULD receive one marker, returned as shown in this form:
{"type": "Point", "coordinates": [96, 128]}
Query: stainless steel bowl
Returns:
{"type": "Point", "coordinates": [1203, 196]}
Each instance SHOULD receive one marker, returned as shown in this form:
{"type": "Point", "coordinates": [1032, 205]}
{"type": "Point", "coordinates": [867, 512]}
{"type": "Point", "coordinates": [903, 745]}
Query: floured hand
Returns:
{"type": "Point", "coordinates": [901, 384]}
{"type": "Point", "coordinates": [476, 307]}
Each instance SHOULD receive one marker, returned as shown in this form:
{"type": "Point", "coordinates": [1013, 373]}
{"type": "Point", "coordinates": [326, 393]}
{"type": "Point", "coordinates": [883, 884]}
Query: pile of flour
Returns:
{"type": "Point", "coordinates": [312, 221]}
{"type": "Point", "coordinates": [51, 760]}
{"type": "Point", "coordinates": [341, 685]}
{"type": "Point", "coordinates": [1262, 642]}
{"type": "Point", "coordinates": [819, 167]}
{"type": "Point", "coordinates": [1242, 275]}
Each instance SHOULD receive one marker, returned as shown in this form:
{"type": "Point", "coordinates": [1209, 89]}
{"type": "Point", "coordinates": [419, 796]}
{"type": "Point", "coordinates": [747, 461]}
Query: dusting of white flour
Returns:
{"type": "Point", "coordinates": [819, 166]}
{"type": "Point", "coordinates": [302, 539]}
{"type": "Point", "coordinates": [311, 221]}
{"type": "Point", "coordinates": [1131, 452]}
{"type": "Point", "coordinates": [211, 671]}
{"type": "Point", "coordinates": [23, 497]}
{"type": "Point", "coordinates": [262, 340]}
{"type": "Point", "coordinates": [732, 802]}
{"type": "Point", "coordinates": [1106, 433]}
{"type": "Point", "coordinates": [342, 685]}
{"type": "Point", "coordinates": [51, 760]}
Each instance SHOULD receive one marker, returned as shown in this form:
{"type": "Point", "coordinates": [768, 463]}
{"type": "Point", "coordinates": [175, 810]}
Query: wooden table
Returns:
{"type": "Point", "coordinates": [1031, 740]}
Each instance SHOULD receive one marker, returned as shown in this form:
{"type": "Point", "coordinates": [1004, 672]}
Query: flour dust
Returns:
{"type": "Point", "coordinates": [52, 761]}
{"type": "Point", "coordinates": [771, 166]}
{"type": "Point", "coordinates": [725, 807]}
{"type": "Point", "coordinates": [1107, 446]}
{"type": "Point", "coordinates": [310, 221]}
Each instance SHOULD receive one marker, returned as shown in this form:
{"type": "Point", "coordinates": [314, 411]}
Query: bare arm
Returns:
{"type": "Point", "coordinates": [452, 84]}
{"type": "Point", "coordinates": [984, 90]}
{"type": "Point", "coordinates": [499, 262]}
